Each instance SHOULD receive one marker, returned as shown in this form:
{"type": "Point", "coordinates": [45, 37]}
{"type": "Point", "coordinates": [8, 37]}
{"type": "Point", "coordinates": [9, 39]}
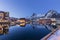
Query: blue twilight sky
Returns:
{"type": "Point", "coordinates": [24, 8]}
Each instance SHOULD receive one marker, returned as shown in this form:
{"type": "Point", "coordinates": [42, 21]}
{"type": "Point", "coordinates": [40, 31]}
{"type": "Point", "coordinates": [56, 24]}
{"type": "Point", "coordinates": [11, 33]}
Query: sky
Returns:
{"type": "Point", "coordinates": [25, 8]}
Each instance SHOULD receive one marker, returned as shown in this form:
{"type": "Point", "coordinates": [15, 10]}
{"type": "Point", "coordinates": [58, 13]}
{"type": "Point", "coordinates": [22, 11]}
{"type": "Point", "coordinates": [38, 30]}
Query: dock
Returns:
{"type": "Point", "coordinates": [54, 35]}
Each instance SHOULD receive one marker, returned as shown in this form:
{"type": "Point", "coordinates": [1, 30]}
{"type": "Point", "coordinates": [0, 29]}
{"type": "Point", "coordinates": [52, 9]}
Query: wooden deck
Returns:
{"type": "Point", "coordinates": [47, 36]}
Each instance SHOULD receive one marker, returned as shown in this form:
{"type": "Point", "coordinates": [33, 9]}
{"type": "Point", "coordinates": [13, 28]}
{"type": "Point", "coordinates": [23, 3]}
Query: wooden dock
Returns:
{"type": "Point", "coordinates": [50, 34]}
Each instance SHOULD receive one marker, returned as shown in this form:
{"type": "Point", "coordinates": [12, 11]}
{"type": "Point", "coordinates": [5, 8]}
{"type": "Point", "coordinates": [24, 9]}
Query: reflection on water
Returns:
{"type": "Point", "coordinates": [25, 33]}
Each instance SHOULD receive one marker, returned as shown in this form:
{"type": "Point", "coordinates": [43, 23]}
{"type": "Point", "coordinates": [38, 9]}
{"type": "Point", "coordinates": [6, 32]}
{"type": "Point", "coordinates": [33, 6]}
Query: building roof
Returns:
{"type": "Point", "coordinates": [2, 12]}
